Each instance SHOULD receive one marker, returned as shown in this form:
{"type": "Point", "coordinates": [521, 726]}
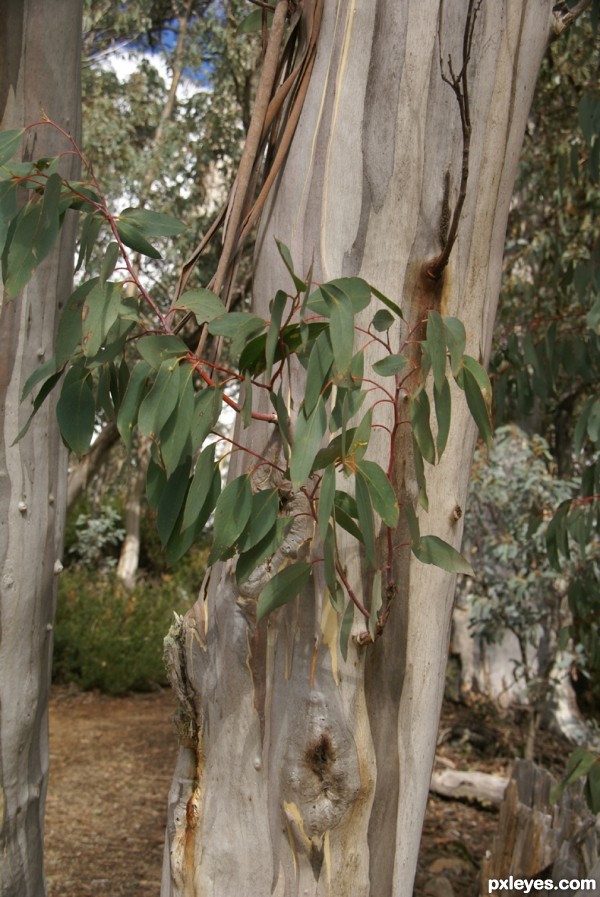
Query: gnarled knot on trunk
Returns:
{"type": "Point", "coordinates": [320, 777]}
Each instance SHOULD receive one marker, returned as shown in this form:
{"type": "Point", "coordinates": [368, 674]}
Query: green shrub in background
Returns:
{"type": "Point", "coordinates": [110, 639]}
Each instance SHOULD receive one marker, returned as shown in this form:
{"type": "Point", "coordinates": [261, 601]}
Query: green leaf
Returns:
{"type": "Point", "coordinates": [329, 565]}
{"type": "Point", "coordinates": [175, 441]}
{"type": "Point", "coordinates": [104, 400]}
{"type": "Point", "coordinates": [456, 340]}
{"type": "Point", "coordinates": [39, 400]}
{"type": "Point", "coordinates": [246, 401]}
{"type": "Point", "coordinates": [171, 501]}
{"type": "Point", "coordinates": [381, 492]}
{"type": "Point", "coordinates": [42, 373]}
{"type": "Point", "coordinates": [100, 311]}
{"type": "Point", "coordinates": [345, 520]}
{"type": "Point", "coordinates": [230, 324]}
{"type": "Point", "coordinates": [420, 417]}
{"type": "Point", "coordinates": [376, 602]}
{"type": "Point", "coordinates": [436, 346]}
{"type": "Point", "coordinates": [89, 235]}
{"type": "Point", "coordinates": [356, 442]}
{"type": "Point", "coordinates": [341, 329]}
{"type": "Point", "coordinates": [365, 517]}
{"type": "Point", "coordinates": [346, 629]}
{"type": "Point", "coordinates": [353, 288]}
{"type": "Point", "coordinates": [290, 341]}
{"type": "Point", "coordinates": [348, 402]}
{"type": "Point", "coordinates": [283, 421]}
{"type": "Point", "coordinates": [111, 257]}
{"type": "Point", "coordinates": [153, 224]}
{"type": "Point", "coordinates": [442, 401]}
{"type": "Point", "coordinates": [283, 588]}
{"type": "Point", "coordinates": [286, 255]}
{"type": "Point", "coordinates": [68, 337]}
{"type": "Point", "coordinates": [159, 403]}
{"type": "Point", "coordinates": [200, 486]}
{"type": "Point", "coordinates": [387, 302]}
{"type": "Point", "coordinates": [477, 406]}
{"type": "Point", "coordinates": [263, 515]}
{"type": "Point", "coordinates": [239, 326]}
{"type": "Point", "coordinates": [76, 412]}
{"type": "Point", "coordinates": [580, 432]}
{"type": "Point", "coordinates": [382, 320]}
{"type": "Point", "coordinates": [432, 550]}
{"type": "Point", "coordinates": [420, 475]}
{"type": "Point", "coordinates": [390, 365]}
{"type": "Point", "coordinates": [326, 499]}
{"type": "Point", "coordinates": [206, 413]}
{"type": "Point", "coordinates": [131, 236]}
{"type": "Point", "coordinates": [156, 479]}
{"type": "Point", "coordinates": [480, 375]}
{"type": "Point", "coordinates": [128, 412]}
{"type": "Point", "coordinates": [8, 208]}
{"type": "Point", "coordinates": [249, 560]}
{"type": "Point", "coordinates": [232, 513]}
{"type": "Point", "coordinates": [9, 143]}
{"type": "Point", "coordinates": [33, 237]}
{"type": "Point", "coordinates": [273, 334]}
{"type": "Point", "coordinates": [318, 371]}
{"type": "Point", "coordinates": [155, 349]}
{"type": "Point", "coordinates": [204, 304]}
{"type": "Point", "coordinates": [81, 197]}
{"type": "Point", "coordinates": [308, 437]}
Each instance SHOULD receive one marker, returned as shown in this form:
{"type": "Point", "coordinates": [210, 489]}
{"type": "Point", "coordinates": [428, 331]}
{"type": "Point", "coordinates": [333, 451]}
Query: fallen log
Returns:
{"type": "Point", "coordinates": [464, 785]}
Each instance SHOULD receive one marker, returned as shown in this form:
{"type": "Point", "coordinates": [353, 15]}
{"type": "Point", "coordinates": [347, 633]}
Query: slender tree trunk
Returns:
{"type": "Point", "coordinates": [282, 788]}
{"type": "Point", "coordinates": [129, 558]}
{"type": "Point", "coordinates": [39, 72]}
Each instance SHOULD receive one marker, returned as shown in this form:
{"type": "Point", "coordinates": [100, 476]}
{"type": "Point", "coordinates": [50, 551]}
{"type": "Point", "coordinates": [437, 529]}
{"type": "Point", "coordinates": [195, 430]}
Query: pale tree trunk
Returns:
{"type": "Point", "coordinates": [281, 788]}
{"type": "Point", "coordinates": [39, 71]}
{"type": "Point", "coordinates": [129, 558]}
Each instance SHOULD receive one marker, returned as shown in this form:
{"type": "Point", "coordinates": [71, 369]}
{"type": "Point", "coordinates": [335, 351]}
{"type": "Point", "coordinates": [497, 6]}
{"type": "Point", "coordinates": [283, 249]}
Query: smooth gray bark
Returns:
{"type": "Point", "coordinates": [283, 789]}
{"type": "Point", "coordinates": [39, 72]}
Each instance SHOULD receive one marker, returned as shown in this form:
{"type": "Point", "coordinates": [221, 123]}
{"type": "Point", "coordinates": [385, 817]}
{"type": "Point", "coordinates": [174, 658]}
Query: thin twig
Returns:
{"type": "Point", "coordinates": [459, 83]}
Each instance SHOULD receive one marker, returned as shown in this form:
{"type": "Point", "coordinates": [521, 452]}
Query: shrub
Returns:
{"type": "Point", "coordinates": [111, 639]}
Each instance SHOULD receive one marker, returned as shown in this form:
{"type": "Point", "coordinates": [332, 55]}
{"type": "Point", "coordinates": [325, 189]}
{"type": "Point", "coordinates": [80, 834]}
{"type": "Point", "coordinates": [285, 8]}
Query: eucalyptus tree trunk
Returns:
{"type": "Point", "coordinates": [300, 781]}
{"type": "Point", "coordinates": [39, 73]}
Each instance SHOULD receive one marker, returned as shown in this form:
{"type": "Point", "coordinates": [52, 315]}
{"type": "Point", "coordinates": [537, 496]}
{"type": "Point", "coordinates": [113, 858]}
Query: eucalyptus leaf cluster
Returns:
{"type": "Point", "coordinates": [174, 395]}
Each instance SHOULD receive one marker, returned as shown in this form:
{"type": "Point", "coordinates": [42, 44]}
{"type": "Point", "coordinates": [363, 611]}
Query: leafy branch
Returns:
{"type": "Point", "coordinates": [120, 357]}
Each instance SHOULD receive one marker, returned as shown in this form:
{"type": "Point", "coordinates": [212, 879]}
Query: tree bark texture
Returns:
{"type": "Point", "coordinates": [39, 72]}
{"type": "Point", "coordinates": [282, 788]}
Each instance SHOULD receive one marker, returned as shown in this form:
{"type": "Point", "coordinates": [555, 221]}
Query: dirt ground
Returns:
{"type": "Point", "coordinates": [111, 765]}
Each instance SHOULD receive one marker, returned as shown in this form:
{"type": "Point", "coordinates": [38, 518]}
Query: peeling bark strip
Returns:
{"type": "Point", "coordinates": [39, 68]}
{"type": "Point", "coordinates": [321, 791]}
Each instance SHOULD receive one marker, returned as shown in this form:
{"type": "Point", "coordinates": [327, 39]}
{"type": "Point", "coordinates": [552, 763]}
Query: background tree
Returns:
{"type": "Point", "coordinates": [39, 74]}
{"type": "Point", "coordinates": [545, 358]}
{"type": "Point", "coordinates": [168, 134]}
